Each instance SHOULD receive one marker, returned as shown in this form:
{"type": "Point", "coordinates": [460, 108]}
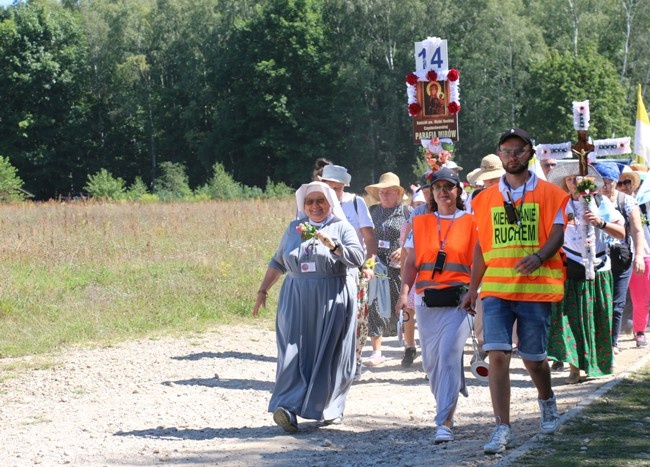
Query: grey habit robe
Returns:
{"type": "Point", "coordinates": [316, 321]}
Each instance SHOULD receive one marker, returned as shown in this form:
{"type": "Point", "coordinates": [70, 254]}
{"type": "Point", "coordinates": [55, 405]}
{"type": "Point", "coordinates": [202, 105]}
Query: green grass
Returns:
{"type": "Point", "coordinates": [99, 273]}
{"type": "Point", "coordinates": [613, 431]}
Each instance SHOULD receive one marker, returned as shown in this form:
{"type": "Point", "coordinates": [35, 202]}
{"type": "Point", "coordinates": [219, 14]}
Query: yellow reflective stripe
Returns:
{"type": "Point", "coordinates": [502, 253]}
{"type": "Point", "coordinates": [453, 267]}
{"type": "Point", "coordinates": [514, 287]}
{"type": "Point", "coordinates": [551, 273]}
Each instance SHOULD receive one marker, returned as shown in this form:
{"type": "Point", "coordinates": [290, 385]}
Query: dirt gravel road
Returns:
{"type": "Point", "coordinates": [202, 400]}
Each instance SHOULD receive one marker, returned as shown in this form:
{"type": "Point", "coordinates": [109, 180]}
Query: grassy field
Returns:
{"type": "Point", "coordinates": [89, 272]}
{"type": "Point", "coordinates": [613, 431]}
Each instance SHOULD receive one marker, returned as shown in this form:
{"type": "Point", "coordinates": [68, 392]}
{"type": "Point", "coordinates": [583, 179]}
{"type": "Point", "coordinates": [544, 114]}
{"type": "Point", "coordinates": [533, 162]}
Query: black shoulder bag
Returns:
{"type": "Point", "coordinates": [620, 253]}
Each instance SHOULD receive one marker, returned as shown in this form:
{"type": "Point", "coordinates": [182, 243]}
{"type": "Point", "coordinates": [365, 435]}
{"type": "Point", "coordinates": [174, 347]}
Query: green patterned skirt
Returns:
{"type": "Point", "coordinates": [581, 325]}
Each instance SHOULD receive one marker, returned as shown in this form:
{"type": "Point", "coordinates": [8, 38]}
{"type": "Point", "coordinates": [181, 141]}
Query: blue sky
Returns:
{"type": "Point", "coordinates": [6, 2]}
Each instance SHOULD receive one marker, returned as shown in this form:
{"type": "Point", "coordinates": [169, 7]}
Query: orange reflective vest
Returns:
{"type": "Point", "coordinates": [504, 244]}
{"type": "Point", "coordinates": [459, 246]}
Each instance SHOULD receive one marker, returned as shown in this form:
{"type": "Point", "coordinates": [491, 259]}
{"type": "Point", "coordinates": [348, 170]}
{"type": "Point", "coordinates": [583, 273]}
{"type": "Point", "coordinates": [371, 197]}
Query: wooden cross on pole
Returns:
{"type": "Point", "coordinates": [582, 149]}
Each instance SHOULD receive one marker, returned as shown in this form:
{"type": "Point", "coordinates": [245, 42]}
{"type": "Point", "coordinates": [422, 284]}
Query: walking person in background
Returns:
{"type": "Point", "coordinates": [319, 165]}
{"type": "Point", "coordinates": [628, 182]}
{"type": "Point", "coordinates": [581, 322]}
{"type": "Point", "coordinates": [388, 217]}
{"type": "Point", "coordinates": [317, 308]}
{"type": "Point", "coordinates": [517, 265]}
{"type": "Point", "coordinates": [357, 213]}
{"type": "Point", "coordinates": [438, 262]}
{"type": "Point", "coordinates": [624, 264]}
{"type": "Point", "coordinates": [547, 165]}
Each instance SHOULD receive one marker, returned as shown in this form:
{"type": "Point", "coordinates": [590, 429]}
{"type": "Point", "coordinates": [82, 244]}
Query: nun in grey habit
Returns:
{"type": "Point", "coordinates": [316, 316]}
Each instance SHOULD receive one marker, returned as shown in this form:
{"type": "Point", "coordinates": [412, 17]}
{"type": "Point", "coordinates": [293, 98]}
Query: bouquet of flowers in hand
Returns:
{"type": "Point", "coordinates": [370, 264]}
{"type": "Point", "coordinates": [306, 231]}
{"type": "Point", "coordinates": [585, 187]}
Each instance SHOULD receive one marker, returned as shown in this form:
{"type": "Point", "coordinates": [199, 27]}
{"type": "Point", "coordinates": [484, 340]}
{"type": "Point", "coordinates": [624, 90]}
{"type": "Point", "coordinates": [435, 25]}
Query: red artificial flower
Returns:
{"type": "Point", "coordinates": [412, 79]}
{"type": "Point", "coordinates": [452, 75]}
{"type": "Point", "coordinates": [453, 108]}
{"type": "Point", "coordinates": [432, 75]}
{"type": "Point", "coordinates": [415, 109]}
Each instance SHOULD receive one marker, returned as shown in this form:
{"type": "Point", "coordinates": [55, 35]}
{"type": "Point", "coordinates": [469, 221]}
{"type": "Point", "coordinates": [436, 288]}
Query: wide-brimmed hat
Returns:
{"type": "Point", "coordinates": [640, 169]}
{"type": "Point", "coordinates": [336, 173]}
{"type": "Point", "coordinates": [453, 166]}
{"type": "Point", "coordinates": [320, 187]}
{"type": "Point", "coordinates": [491, 167]}
{"type": "Point", "coordinates": [470, 176]}
{"type": "Point", "coordinates": [627, 172]}
{"type": "Point", "coordinates": [387, 180]}
{"type": "Point", "coordinates": [567, 169]}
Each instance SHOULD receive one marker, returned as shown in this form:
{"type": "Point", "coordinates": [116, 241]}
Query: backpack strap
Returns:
{"type": "Point", "coordinates": [356, 208]}
{"type": "Point", "coordinates": [620, 206]}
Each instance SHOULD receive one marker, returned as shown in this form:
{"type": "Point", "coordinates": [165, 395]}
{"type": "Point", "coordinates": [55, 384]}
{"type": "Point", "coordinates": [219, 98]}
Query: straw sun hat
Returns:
{"type": "Point", "coordinates": [387, 180]}
{"type": "Point", "coordinates": [628, 173]}
{"type": "Point", "coordinates": [568, 169]}
{"type": "Point", "coordinates": [491, 167]}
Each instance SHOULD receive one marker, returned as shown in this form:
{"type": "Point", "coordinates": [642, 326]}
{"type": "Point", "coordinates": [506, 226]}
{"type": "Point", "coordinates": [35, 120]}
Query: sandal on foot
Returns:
{"type": "Point", "coordinates": [374, 360]}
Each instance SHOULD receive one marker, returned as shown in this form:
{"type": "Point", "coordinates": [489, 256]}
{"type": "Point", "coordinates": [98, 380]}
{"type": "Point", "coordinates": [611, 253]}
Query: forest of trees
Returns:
{"type": "Point", "coordinates": [264, 87]}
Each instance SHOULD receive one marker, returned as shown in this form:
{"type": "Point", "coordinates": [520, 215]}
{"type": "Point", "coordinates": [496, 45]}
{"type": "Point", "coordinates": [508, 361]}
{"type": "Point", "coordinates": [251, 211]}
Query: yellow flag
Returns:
{"type": "Point", "coordinates": [642, 131]}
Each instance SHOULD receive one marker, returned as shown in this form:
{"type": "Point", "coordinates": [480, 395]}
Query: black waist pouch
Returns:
{"type": "Point", "coordinates": [447, 297]}
{"type": "Point", "coordinates": [576, 271]}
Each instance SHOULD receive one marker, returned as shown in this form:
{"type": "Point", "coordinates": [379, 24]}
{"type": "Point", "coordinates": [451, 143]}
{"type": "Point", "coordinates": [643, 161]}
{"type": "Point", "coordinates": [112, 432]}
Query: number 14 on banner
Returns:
{"type": "Point", "coordinates": [431, 54]}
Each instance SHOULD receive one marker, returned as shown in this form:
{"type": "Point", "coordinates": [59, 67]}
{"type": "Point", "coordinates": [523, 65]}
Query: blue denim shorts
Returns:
{"type": "Point", "coordinates": [533, 321]}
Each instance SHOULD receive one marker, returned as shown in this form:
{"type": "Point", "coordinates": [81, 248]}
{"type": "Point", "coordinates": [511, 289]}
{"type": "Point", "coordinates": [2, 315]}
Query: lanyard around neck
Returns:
{"type": "Point", "coordinates": [443, 241]}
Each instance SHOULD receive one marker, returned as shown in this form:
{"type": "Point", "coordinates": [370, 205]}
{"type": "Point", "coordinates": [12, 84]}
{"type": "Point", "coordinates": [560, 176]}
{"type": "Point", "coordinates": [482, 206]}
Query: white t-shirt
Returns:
{"type": "Point", "coordinates": [358, 216]}
{"type": "Point", "coordinates": [573, 239]}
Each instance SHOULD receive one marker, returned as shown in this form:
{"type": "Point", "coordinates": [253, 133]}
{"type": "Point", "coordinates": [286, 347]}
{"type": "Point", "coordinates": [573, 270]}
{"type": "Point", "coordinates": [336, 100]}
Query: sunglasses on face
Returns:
{"type": "Point", "coordinates": [549, 165]}
{"type": "Point", "coordinates": [310, 201]}
{"type": "Point", "coordinates": [445, 188]}
{"type": "Point", "coordinates": [622, 183]}
{"type": "Point", "coordinates": [513, 152]}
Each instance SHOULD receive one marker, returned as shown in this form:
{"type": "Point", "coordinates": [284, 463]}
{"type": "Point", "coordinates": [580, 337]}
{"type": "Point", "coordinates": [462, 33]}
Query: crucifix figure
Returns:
{"type": "Point", "coordinates": [582, 149]}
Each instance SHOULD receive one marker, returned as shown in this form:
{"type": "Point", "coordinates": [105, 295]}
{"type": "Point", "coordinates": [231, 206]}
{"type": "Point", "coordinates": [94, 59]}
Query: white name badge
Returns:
{"type": "Point", "coordinates": [383, 244]}
{"type": "Point", "coordinates": [308, 267]}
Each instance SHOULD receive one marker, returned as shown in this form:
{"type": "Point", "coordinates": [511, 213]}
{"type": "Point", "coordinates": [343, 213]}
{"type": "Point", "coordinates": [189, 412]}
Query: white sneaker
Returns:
{"type": "Point", "coordinates": [501, 439]}
{"type": "Point", "coordinates": [550, 420]}
{"type": "Point", "coordinates": [443, 435]}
